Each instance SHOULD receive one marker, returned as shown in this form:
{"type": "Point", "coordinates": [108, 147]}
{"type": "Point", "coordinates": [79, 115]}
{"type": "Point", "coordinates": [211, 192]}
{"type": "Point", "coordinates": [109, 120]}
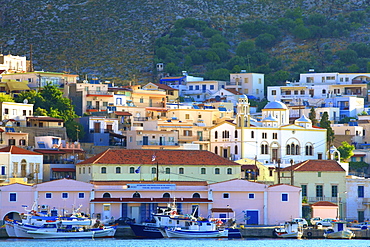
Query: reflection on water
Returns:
{"type": "Point", "coordinates": [182, 242]}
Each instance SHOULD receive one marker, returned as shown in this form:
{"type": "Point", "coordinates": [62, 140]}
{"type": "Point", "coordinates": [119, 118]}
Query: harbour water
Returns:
{"type": "Point", "coordinates": [183, 242]}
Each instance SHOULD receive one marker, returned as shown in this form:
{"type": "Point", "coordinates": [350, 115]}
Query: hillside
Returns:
{"type": "Point", "coordinates": [115, 40]}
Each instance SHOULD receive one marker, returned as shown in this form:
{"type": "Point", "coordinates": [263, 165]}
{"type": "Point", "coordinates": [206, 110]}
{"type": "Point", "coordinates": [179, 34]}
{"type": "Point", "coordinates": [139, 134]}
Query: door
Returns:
{"type": "Point", "coordinates": [106, 212]}
{"type": "Point", "coordinates": [200, 135]}
{"type": "Point", "coordinates": [274, 154]}
{"type": "Point", "coordinates": [135, 214]}
{"type": "Point", "coordinates": [252, 217]}
{"type": "Point", "coordinates": [97, 127]}
{"type": "Point", "coordinates": [97, 104]}
{"type": "Point", "coordinates": [161, 140]}
{"type": "Point", "coordinates": [361, 216]}
{"type": "Point", "coordinates": [204, 87]}
{"type": "Point", "coordinates": [145, 140]}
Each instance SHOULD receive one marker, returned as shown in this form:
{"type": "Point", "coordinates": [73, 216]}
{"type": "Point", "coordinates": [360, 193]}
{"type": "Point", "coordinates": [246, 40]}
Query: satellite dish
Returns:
{"type": "Point", "coordinates": [25, 101]}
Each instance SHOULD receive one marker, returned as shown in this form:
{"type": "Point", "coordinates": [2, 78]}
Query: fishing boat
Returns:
{"type": "Point", "coordinates": [339, 230]}
{"type": "Point", "coordinates": [197, 229]}
{"type": "Point", "coordinates": [9, 227]}
{"type": "Point", "coordinates": [289, 229]}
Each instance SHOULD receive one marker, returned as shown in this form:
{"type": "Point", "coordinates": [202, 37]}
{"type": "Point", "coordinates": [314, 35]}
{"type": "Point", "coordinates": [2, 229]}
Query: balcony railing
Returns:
{"type": "Point", "coordinates": [156, 143]}
{"type": "Point", "coordinates": [94, 92]}
{"type": "Point", "coordinates": [328, 199]}
{"type": "Point", "coordinates": [140, 118]}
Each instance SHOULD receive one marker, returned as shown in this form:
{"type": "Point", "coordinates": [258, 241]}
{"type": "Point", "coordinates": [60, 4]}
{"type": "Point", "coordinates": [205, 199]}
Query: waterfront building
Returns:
{"type": "Point", "coordinates": [358, 198]}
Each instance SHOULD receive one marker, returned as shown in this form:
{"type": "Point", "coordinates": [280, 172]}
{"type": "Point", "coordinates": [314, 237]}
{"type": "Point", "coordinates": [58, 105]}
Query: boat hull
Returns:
{"type": "Point", "coordinates": [9, 227]}
{"type": "Point", "coordinates": [95, 233]}
{"type": "Point", "coordinates": [340, 235]}
{"type": "Point", "coordinates": [145, 231]}
{"type": "Point", "coordinates": [174, 233]}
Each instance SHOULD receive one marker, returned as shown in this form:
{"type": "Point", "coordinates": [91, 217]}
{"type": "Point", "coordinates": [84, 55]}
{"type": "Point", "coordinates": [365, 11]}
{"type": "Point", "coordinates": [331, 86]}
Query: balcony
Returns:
{"type": "Point", "coordinates": [99, 93]}
{"type": "Point", "coordinates": [156, 143]}
{"type": "Point", "coordinates": [100, 131]}
{"type": "Point", "coordinates": [141, 119]}
{"type": "Point", "coordinates": [328, 199]}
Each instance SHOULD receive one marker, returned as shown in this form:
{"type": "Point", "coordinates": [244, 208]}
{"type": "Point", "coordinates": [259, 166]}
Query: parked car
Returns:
{"type": "Point", "coordinates": [362, 225]}
{"type": "Point", "coordinates": [124, 221]}
{"type": "Point", "coordinates": [326, 222]}
{"type": "Point", "coordinates": [314, 220]}
{"type": "Point", "coordinates": [302, 222]}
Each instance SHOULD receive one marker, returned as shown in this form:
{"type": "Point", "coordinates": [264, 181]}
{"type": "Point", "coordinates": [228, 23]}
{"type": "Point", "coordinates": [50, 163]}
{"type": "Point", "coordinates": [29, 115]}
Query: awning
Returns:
{"type": "Point", "coordinates": [17, 86]}
{"type": "Point", "coordinates": [48, 151]}
{"type": "Point", "coordinates": [122, 113]}
{"type": "Point", "coordinates": [63, 169]}
{"type": "Point", "coordinates": [221, 210]}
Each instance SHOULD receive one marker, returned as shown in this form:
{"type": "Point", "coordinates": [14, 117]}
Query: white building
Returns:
{"type": "Point", "coordinates": [358, 199]}
{"type": "Point", "coordinates": [16, 112]}
{"type": "Point", "coordinates": [251, 84]}
{"type": "Point", "coordinates": [202, 90]}
{"type": "Point", "coordinates": [13, 64]}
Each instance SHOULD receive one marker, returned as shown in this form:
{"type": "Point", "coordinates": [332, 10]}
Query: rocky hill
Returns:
{"type": "Point", "coordinates": [115, 39]}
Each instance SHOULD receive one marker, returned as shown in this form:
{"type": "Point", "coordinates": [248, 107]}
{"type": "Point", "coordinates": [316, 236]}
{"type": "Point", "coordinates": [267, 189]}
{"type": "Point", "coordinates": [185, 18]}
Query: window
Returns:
{"type": "Point", "coordinates": [225, 195]}
{"type": "Point", "coordinates": [216, 134]}
{"type": "Point", "coordinates": [229, 171]}
{"type": "Point", "coordinates": [188, 133]}
{"type": "Point", "coordinates": [196, 195]}
{"type": "Point", "coordinates": [3, 170]}
{"type": "Point", "coordinates": [136, 195]}
{"type": "Point", "coordinates": [284, 197]}
{"type": "Point", "coordinates": [273, 92]}
{"type": "Point", "coordinates": [236, 134]}
{"type": "Point", "coordinates": [103, 170]}
{"type": "Point", "coordinates": [334, 191]}
{"type": "Point", "coordinates": [319, 191]}
{"type": "Point", "coordinates": [274, 136]}
{"type": "Point", "coordinates": [154, 170]}
{"type": "Point", "coordinates": [141, 100]}
{"type": "Point", "coordinates": [217, 170]}
{"type": "Point", "coordinates": [168, 170]}
{"type": "Point", "coordinates": [203, 171]}
{"type": "Point", "coordinates": [64, 195]}
{"type": "Point", "coordinates": [106, 195]}
{"type": "Point", "coordinates": [118, 169]}
{"type": "Point", "coordinates": [251, 196]}
{"type": "Point", "coordinates": [264, 135]}
{"type": "Point", "coordinates": [83, 170]}
{"type": "Point", "coordinates": [48, 195]}
{"type": "Point", "coordinates": [196, 87]}
{"type": "Point", "coordinates": [264, 149]}
{"type": "Point", "coordinates": [132, 170]}
{"type": "Point", "coordinates": [252, 134]}
{"type": "Point", "coordinates": [211, 87]}
{"type": "Point", "coordinates": [236, 149]}
{"type": "Point", "coordinates": [181, 170]}
{"type": "Point", "coordinates": [360, 191]}
{"type": "Point", "coordinates": [24, 112]}
{"type": "Point", "coordinates": [12, 197]}
{"type": "Point", "coordinates": [319, 174]}
{"type": "Point", "coordinates": [216, 150]}
{"type": "Point", "coordinates": [81, 195]}
{"type": "Point", "coordinates": [304, 189]}
{"type": "Point", "coordinates": [166, 195]}
{"type": "Point", "coordinates": [271, 172]}
{"type": "Point", "coordinates": [6, 111]}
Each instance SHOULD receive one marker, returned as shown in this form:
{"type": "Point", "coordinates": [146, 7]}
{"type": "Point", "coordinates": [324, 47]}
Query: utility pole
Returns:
{"type": "Point", "coordinates": [291, 172]}
{"type": "Point", "coordinates": [157, 173]}
{"type": "Point", "coordinates": [278, 170]}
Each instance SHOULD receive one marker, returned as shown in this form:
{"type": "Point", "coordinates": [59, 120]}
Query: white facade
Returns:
{"type": "Point", "coordinates": [202, 90]}
{"type": "Point", "coordinates": [119, 100]}
{"type": "Point", "coordinates": [13, 64]}
{"type": "Point", "coordinates": [248, 83]}
{"type": "Point", "coordinates": [16, 111]}
{"type": "Point", "coordinates": [47, 142]}
{"type": "Point", "coordinates": [358, 199]}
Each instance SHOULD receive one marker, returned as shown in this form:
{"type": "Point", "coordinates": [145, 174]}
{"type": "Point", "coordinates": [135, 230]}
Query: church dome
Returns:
{"type": "Point", "coordinates": [269, 119]}
{"type": "Point", "coordinates": [303, 119]}
{"type": "Point", "coordinates": [275, 105]}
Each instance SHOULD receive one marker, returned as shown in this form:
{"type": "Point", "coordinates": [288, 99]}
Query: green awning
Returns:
{"type": "Point", "coordinates": [17, 86]}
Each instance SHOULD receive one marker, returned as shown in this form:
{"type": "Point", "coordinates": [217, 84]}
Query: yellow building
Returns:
{"type": "Point", "coordinates": [153, 165]}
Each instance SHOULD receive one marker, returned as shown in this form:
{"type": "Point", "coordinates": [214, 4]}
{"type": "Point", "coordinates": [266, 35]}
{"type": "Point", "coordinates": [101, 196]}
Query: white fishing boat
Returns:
{"type": "Point", "coordinates": [339, 230]}
{"type": "Point", "coordinates": [197, 229]}
{"type": "Point", "coordinates": [9, 227]}
{"type": "Point", "coordinates": [290, 229]}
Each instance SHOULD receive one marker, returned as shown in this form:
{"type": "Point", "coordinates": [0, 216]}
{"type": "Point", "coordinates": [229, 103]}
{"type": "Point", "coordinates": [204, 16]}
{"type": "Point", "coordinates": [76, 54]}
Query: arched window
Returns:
{"type": "Point", "coordinates": [132, 169]}
{"type": "Point", "coordinates": [311, 151]}
{"type": "Point", "coordinates": [136, 195]}
{"type": "Point", "coordinates": [223, 134]}
{"type": "Point", "coordinates": [166, 195]}
{"type": "Point", "coordinates": [118, 169]}
{"type": "Point", "coordinates": [196, 195]}
{"type": "Point", "coordinates": [229, 171]}
{"type": "Point", "coordinates": [106, 195]}
{"type": "Point", "coordinates": [216, 134]}
{"type": "Point", "coordinates": [292, 149]}
{"type": "Point", "coordinates": [217, 170]}
{"type": "Point", "coordinates": [202, 170]}
{"type": "Point", "coordinates": [266, 149]}
{"type": "Point", "coordinates": [216, 150]}
{"type": "Point", "coordinates": [262, 149]}
{"type": "Point", "coordinates": [83, 170]}
{"type": "Point", "coordinates": [23, 168]}
{"type": "Point", "coordinates": [103, 170]}
{"type": "Point", "coordinates": [236, 134]}
{"type": "Point", "coordinates": [89, 169]}
{"type": "Point", "coordinates": [252, 134]}
{"type": "Point", "coordinates": [168, 170]}
{"type": "Point", "coordinates": [154, 170]}
{"type": "Point", "coordinates": [297, 150]}
{"type": "Point", "coordinates": [181, 170]}
{"type": "Point", "coordinates": [307, 150]}
{"type": "Point", "coordinates": [288, 149]}
{"type": "Point", "coordinates": [236, 149]}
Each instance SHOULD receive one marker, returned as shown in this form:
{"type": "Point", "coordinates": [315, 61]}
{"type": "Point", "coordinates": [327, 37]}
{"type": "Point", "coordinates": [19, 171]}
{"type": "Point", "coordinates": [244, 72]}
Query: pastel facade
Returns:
{"type": "Point", "coordinates": [16, 112]}
{"type": "Point", "coordinates": [201, 90]}
{"type": "Point", "coordinates": [157, 165]}
{"type": "Point", "coordinates": [358, 198]}
{"type": "Point", "coordinates": [172, 95]}
{"type": "Point", "coordinates": [20, 165]}
{"type": "Point", "coordinates": [248, 83]}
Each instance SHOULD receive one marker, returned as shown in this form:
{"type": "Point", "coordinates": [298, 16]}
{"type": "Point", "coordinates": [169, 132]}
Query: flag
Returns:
{"type": "Point", "coordinates": [153, 157]}
{"type": "Point", "coordinates": [138, 170]}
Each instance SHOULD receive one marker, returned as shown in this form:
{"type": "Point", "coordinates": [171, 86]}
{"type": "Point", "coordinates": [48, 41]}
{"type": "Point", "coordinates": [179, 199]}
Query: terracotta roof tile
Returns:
{"type": "Point", "coordinates": [316, 165]}
{"type": "Point", "coordinates": [164, 86]}
{"type": "Point", "coordinates": [163, 157]}
{"type": "Point", "coordinates": [233, 91]}
{"type": "Point", "coordinates": [17, 150]}
{"type": "Point", "coordinates": [324, 203]}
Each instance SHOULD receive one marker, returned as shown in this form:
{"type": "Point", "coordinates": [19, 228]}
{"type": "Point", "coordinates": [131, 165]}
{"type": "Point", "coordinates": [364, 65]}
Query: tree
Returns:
{"type": "Point", "coordinates": [244, 48]}
{"type": "Point", "coordinates": [325, 123]}
{"type": "Point", "coordinates": [346, 151]}
{"type": "Point", "coordinates": [6, 98]}
{"type": "Point", "coordinates": [75, 130]}
{"type": "Point", "coordinates": [312, 116]}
